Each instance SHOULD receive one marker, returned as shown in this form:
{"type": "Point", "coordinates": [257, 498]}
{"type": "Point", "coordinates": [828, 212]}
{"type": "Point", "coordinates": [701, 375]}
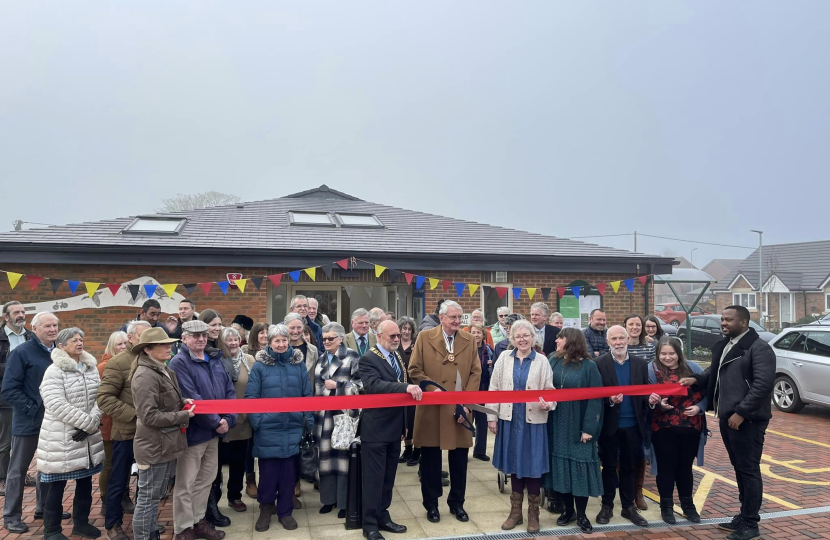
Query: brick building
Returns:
{"type": "Point", "coordinates": [308, 229]}
{"type": "Point", "coordinates": [796, 284]}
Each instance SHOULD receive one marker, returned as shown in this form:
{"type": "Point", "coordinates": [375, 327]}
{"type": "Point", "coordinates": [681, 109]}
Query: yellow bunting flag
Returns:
{"type": "Point", "coordinates": [615, 285]}
{"type": "Point", "coordinates": [530, 292]}
{"type": "Point", "coordinates": [473, 288]}
{"type": "Point", "coordinates": [379, 270]}
{"type": "Point", "coordinates": [91, 287]}
{"type": "Point", "coordinates": [312, 273]}
{"type": "Point", "coordinates": [170, 288]}
{"type": "Point", "coordinates": [432, 283]}
{"type": "Point", "coordinates": [14, 277]}
{"type": "Point", "coordinates": [241, 284]}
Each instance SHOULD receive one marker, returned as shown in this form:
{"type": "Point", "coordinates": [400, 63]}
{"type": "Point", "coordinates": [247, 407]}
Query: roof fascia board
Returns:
{"type": "Point", "coordinates": [740, 275]}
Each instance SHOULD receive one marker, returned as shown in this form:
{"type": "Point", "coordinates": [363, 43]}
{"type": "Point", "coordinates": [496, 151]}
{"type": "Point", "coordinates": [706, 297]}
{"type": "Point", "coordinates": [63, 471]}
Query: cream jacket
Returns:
{"type": "Point", "coordinates": [539, 378]}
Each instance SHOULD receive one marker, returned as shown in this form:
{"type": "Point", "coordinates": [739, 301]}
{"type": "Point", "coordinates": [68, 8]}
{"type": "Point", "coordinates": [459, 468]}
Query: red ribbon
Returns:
{"type": "Point", "coordinates": [376, 401]}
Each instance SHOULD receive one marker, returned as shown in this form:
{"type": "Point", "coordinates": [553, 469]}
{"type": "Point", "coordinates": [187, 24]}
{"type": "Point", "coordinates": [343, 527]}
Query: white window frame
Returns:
{"type": "Point", "coordinates": [751, 300]}
{"type": "Point", "coordinates": [827, 302]}
{"type": "Point", "coordinates": [509, 298]}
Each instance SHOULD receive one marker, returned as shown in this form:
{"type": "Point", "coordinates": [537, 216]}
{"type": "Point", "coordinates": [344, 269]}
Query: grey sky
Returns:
{"type": "Point", "coordinates": [566, 118]}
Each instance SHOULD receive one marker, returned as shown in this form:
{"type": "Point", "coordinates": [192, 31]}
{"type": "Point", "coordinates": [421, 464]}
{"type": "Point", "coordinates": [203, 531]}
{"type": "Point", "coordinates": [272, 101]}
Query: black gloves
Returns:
{"type": "Point", "coordinates": [80, 435]}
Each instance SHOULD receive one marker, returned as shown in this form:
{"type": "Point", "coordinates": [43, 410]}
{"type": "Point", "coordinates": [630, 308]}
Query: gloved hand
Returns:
{"type": "Point", "coordinates": [80, 435]}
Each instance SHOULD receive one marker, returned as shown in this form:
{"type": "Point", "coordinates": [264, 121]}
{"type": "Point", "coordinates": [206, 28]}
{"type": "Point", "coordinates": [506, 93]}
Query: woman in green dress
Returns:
{"type": "Point", "coordinates": [573, 431]}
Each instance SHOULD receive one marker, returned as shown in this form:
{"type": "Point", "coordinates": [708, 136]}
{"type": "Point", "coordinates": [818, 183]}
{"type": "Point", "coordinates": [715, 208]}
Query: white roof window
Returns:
{"type": "Point", "coordinates": [155, 225]}
{"type": "Point", "coordinates": [359, 220]}
{"type": "Point", "coordinates": [315, 219]}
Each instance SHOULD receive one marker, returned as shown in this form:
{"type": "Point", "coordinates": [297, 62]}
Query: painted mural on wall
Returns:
{"type": "Point", "coordinates": [103, 298]}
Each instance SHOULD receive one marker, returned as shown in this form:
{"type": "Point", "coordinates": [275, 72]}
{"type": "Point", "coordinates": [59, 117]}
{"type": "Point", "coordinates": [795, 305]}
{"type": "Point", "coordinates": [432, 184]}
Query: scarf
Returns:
{"type": "Point", "coordinates": [279, 357]}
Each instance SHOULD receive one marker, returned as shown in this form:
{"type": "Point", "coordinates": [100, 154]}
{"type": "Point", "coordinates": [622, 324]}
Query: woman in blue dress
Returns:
{"type": "Point", "coordinates": [521, 448]}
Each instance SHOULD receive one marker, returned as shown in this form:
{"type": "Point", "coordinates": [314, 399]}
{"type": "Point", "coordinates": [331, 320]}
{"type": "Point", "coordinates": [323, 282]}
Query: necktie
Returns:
{"type": "Point", "coordinates": [449, 342]}
{"type": "Point", "coordinates": [362, 345]}
{"type": "Point", "coordinates": [394, 363]}
{"type": "Point", "coordinates": [538, 335]}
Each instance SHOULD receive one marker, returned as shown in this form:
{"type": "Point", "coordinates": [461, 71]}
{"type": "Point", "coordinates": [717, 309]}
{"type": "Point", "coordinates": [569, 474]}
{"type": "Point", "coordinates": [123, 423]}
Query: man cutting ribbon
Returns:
{"type": "Point", "coordinates": [443, 355]}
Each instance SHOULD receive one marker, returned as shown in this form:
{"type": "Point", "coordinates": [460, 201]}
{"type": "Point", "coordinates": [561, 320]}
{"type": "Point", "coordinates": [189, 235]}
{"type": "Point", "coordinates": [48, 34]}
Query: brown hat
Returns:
{"type": "Point", "coordinates": [153, 336]}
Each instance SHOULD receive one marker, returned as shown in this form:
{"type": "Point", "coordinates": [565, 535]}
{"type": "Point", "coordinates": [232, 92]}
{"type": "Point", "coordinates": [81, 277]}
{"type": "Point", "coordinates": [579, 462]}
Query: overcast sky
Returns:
{"type": "Point", "coordinates": [697, 120]}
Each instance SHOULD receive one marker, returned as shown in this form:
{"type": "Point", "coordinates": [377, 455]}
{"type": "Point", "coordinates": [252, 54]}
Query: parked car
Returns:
{"type": "Point", "coordinates": [706, 331]}
{"type": "Point", "coordinates": [802, 373]}
{"type": "Point", "coordinates": [673, 314]}
{"type": "Point", "coordinates": [668, 329]}
{"type": "Point", "coordinates": [824, 321]}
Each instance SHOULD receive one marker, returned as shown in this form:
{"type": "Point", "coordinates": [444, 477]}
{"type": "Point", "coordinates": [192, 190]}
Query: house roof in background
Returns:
{"type": "Point", "coordinates": [800, 267]}
{"type": "Point", "coordinates": [264, 226]}
{"type": "Point", "coordinates": [720, 268]}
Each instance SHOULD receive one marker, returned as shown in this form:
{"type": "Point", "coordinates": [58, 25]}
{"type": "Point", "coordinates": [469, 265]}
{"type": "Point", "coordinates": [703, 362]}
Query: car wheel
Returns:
{"type": "Point", "coordinates": [785, 395]}
{"type": "Point", "coordinates": [675, 323]}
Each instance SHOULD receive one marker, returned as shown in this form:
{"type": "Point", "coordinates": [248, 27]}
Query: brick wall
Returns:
{"type": "Point", "coordinates": [98, 324]}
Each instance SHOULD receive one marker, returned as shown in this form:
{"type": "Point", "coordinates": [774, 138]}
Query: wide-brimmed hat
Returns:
{"type": "Point", "coordinates": [153, 336]}
{"type": "Point", "coordinates": [195, 327]}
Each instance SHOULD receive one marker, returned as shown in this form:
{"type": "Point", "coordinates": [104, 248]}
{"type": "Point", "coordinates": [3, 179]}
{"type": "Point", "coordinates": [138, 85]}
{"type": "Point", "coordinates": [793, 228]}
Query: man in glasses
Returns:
{"type": "Point", "coordinates": [501, 330]}
{"type": "Point", "coordinates": [448, 357]}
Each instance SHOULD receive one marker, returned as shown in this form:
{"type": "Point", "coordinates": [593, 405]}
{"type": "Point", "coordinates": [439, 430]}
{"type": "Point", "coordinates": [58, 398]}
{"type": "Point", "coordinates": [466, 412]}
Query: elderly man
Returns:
{"type": "Point", "coordinates": [623, 426]}
{"type": "Point", "coordinates": [150, 312]}
{"type": "Point", "coordinates": [315, 315]}
{"type": "Point", "coordinates": [376, 316]}
{"type": "Point", "coordinates": [21, 388]}
{"type": "Point", "coordinates": [300, 305]}
{"type": "Point", "coordinates": [115, 398]}
{"type": "Point", "coordinates": [360, 339]}
{"type": "Point", "coordinates": [14, 333]}
{"type": "Point", "coordinates": [501, 330]}
{"type": "Point", "coordinates": [478, 316]}
{"type": "Point", "coordinates": [381, 430]}
{"type": "Point", "coordinates": [595, 334]}
{"type": "Point", "coordinates": [502, 345]}
{"type": "Point", "coordinates": [201, 376]}
{"type": "Point", "coordinates": [545, 333]}
{"type": "Point", "coordinates": [446, 356]}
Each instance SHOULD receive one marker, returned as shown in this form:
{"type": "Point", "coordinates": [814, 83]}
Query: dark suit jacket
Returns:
{"type": "Point", "coordinates": [387, 424]}
{"type": "Point", "coordinates": [551, 333]}
{"type": "Point", "coordinates": [639, 375]}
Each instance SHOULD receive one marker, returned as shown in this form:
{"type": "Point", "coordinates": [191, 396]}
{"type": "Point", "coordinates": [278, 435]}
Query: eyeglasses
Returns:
{"type": "Point", "coordinates": [393, 336]}
{"type": "Point", "coordinates": [523, 337]}
{"type": "Point", "coordinates": [327, 339]}
{"type": "Point", "coordinates": [453, 317]}
{"type": "Point", "coordinates": [503, 315]}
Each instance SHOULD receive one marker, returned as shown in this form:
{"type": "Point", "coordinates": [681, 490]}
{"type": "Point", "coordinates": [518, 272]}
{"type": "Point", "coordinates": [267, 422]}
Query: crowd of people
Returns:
{"type": "Point", "coordinates": [135, 410]}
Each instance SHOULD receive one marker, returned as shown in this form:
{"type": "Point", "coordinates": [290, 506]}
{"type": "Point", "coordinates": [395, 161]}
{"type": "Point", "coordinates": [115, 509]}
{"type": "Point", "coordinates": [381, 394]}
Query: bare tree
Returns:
{"type": "Point", "coordinates": [190, 201]}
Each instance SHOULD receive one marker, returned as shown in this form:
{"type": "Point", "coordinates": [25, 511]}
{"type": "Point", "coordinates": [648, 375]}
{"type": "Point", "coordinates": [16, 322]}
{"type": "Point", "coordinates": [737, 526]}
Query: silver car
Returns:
{"type": "Point", "coordinates": [802, 373]}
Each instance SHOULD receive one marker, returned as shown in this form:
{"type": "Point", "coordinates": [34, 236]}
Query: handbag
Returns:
{"type": "Point", "coordinates": [345, 431]}
{"type": "Point", "coordinates": [309, 454]}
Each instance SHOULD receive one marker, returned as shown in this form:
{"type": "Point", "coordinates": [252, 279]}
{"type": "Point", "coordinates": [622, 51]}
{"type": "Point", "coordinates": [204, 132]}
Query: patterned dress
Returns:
{"type": "Point", "coordinates": [574, 465]}
{"type": "Point", "coordinates": [521, 447]}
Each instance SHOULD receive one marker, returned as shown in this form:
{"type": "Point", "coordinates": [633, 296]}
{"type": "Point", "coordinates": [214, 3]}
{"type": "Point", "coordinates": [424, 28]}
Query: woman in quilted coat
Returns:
{"type": "Point", "coordinates": [70, 446]}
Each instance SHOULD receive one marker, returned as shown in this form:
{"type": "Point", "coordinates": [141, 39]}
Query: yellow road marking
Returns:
{"type": "Point", "coordinates": [773, 498]}
{"type": "Point", "coordinates": [766, 470]}
{"type": "Point", "coordinates": [798, 438]}
{"type": "Point", "coordinates": [792, 465]}
{"type": "Point", "coordinates": [703, 489]}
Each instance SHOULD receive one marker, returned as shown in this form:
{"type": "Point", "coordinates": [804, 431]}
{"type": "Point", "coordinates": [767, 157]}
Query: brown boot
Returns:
{"type": "Point", "coordinates": [263, 522]}
{"type": "Point", "coordinates": [533, 513]}
{"type": "Point", "coordinates": [515, 517]}
{"type": "Point", "coordinates": [205, 529]}
{"type": "Point", "coordinates": [250, 487]}
{"type": "Point", "coordinates": [639, 479]}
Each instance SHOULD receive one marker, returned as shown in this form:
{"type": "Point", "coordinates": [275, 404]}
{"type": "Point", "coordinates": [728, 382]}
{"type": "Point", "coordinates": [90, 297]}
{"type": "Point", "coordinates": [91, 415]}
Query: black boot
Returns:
{"type": "Point", "coordinates": [212, 513]}
{"type": "Point", "coordinates": [415, 458]}
{"type": "Point", "coordinates": [687, 504]}
{"type": "Point", "coordinates": [667, 510]}
{"type": "Point", "coordinates": [81, 507]}
{"type": "Point", "coordinates": [555, 504]}
{"type": "Point", "coordinates": [407, 453]}
{"type": "Point", "coordinates": [52, 529]}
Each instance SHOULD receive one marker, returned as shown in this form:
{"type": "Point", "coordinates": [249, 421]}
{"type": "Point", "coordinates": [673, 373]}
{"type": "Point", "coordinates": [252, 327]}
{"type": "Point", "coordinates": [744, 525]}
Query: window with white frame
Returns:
{"type": "Point", "coordinates": [746, 300]}
{"type": "Point", "coordinates": [827, 302]}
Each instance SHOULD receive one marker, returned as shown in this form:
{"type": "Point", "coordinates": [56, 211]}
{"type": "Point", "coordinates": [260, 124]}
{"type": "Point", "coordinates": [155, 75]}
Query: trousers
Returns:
{"type": "Point", "coordinates": [119, 481]}
{"type": "Point", "coordinates": [675, 449]}
{"type": "Point", "coordinates": [431, 488]}
{"type": "Point", "coordinates": [152, 485]}
{"type": "Point", "coordinates": [23, 450]}
{"type": "Point", "coordinates": [745, 446]}
{"type": "Point", "coordinates": [625, 443]}
{"type": "Point", "coordinates": [195, 472]}
{"type": "Point", "coordinates": [277, 477]}
{"type": "Point", "coordinates": [5, 441]}
{"type": "Point", "coordinates": [379, 461]}
{"type": "Point", "coordinates": [53, 503]}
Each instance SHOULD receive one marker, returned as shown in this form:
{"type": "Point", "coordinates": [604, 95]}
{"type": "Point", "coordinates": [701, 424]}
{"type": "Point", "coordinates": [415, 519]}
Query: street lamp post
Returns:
{"type": "Point", "coordinates": [760, 269]}
{"type": "Point", "coordinates": [692, 260]}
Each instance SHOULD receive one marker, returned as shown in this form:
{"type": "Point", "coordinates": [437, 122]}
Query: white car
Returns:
{"type": "Point", "coordinates": [802, 372]}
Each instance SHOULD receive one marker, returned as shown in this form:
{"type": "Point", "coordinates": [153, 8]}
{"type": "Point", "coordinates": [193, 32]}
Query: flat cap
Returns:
{"type": "Point", "coordinates": [195, 327]}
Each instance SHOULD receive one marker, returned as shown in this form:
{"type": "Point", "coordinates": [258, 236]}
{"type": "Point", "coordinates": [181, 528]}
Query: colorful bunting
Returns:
{"type": "Point", "coordinates": [473, 288]}
{"type": "Point", "coordinates": [295, 275]}
{"type": "Point", "coordinates": [344, 264]}
{"type": "Point", "coordinates": [368, 291]}
{"type": "Point", "coordinates": [241, 284]}
{"type": "Point", "coordinates": [615, 285]}
{"type": "Point", "coordinates": [134, 291]}
{"type": "Point", "coordinates": [348, 289]}
{"type": "Point", "coordinates": [629, 284]}
{"type": "Point", "coordinates": [327, 268]}
{"type": "Point", "coordinates": [34, 281]}
{"type": "Point", "coordinates": [379, 270]}
{"type": "Point", "coordinates": [531, 291]}
{"type": "Point", "coordinates": [73, 286]}
{"type": "Point", "coordinates": [601, 288]}
{"type": "Point", "coordinates": [14, 277]}
{"type": "Point", "coordinates": [576, 290]}
{"type": "Point", "coordinates": [206, 287]}
{"type": "Point", "coordinates": [446, 284]}
{"type": "Point", "coordinates": [561, 291]}
{"type": "Point", "coordinates": [409, 277]}
{"type": "Point", "coordinates": [56, 284]}
{"type": "Point", "coordinates": [150, 289]}
{"type": "Point", "coordinates": [170, 289]}
{"type": "Point", "coordinates": [114, 288]}
{"type": "Point", "coordinates": [190, 287]}
{"type": "Point", "coordinates": [275, 279]}
{"type": "Point", "coordinates": [394, 275]}
{"type": "Point", "coordinates": [517, 291]}
{"type": "Point", "coordinates": [223, 285]}
{"type": "Point", "coordinates": [257, 281]}
{"type": "Point", "coordinates": [643, 280]}
{"type": "Point", "coordinates": [91, 288]}
{"type": "Point", "coordinates": [419, 282]}
{"type": "Point", "coordinates": [311, 273]}
{"type": "Point", "coordinates": [459, 288]}
{"type": "Point", "coordinates": [545, 293]}
{"type": "Point", "coordinates": [486, 290]}
{"type": "Point", "coordinates": [433, 282]}
{"type": "Point", "coordinates": [501, 291]}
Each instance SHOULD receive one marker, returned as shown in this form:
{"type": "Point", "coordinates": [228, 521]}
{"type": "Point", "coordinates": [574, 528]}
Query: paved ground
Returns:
{"type": "Point", "coordinates": [796, 471]}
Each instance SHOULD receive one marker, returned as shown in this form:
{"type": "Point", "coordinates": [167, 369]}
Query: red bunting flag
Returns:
{"type": "Point", "coordinates": [408, 277]}
{"type": "Point", "coordinates": [643, 279]}
{"type": "Point", "coordinates": [276, 279]}
{"type": "Point", "coordinates": [34, 281]}
{"type": "Point", "coordinates": [446, 284]}
{"type": "Point", "coordinates": [113, 287]}
{"type": "Point", "coordinates": [501, 291]}
{"type": "Point", "coordinates": [601, 288]}
{"type": "Point", "coordinates": [344, 264]}
{"type": "Point", "coordinates": [206, 286]}
{"type": "Point", "coordinates": [560, 291]}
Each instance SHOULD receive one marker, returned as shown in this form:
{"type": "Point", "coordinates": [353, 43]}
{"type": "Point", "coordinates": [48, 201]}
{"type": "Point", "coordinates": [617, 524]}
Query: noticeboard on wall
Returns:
{"type": "Point", "coordinates": [577, 311]}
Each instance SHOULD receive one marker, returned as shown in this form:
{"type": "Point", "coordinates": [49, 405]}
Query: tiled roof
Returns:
{"type": "Point", "coordinates": [802, 266]}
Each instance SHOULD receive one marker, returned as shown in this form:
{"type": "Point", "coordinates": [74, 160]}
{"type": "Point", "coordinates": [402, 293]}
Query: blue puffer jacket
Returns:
{"type": "Point", "coordinates": [21, 386]}
{"type": "Point", "coordinates": [203, 379]}
{"type": "Point", "coordinates": [275, 375]}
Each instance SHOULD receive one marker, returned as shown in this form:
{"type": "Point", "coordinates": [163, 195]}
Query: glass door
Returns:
{"type": "Point", "coordinates": [327, 296]}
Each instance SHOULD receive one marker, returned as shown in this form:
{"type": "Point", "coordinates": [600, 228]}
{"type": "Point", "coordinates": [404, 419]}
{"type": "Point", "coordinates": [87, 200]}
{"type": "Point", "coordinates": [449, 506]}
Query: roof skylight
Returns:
{"type": "Point", "coordinates": [155, 225]}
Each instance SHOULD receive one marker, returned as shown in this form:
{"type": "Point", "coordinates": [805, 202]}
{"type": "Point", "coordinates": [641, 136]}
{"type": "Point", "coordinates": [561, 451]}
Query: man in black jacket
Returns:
{"type": "Point", "coordinates": [12, 334]}
{"type": "Point", "coordinates": [623, 426]}
{"type": "Point", "coordinates": [381, 430]}
{"type": "Point", "coordinates": [739, 385]}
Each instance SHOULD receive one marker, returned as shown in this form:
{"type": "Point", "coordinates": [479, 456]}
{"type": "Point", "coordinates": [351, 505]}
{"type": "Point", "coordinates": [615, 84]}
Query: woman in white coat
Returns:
{"type": "Point", "coordinates": [70, 446]}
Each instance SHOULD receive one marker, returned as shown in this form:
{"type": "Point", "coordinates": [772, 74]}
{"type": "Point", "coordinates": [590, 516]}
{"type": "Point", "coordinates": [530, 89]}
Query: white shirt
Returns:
{"type": "Point", "coordinates": [447, 338]}
{"type": "Point", "coordinates": [15, 340]}
{"type": "Point", "coordinates": [358, 336]}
